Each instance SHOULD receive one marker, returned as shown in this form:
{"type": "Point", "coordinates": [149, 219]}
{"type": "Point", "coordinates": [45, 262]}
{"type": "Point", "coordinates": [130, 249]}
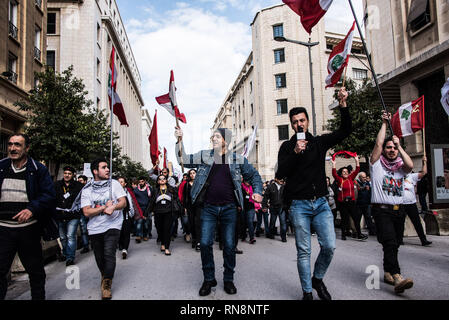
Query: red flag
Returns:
{"type": "Point", "coordinates": [409, 118]}
{"type": "Point", "coordinates": [154, 144]}
{"type": "Point", "coordinates": [168, 101]}
{"type": "Point", "coordinates": [310, 11]}
{"type": "Point", "coordinates": [165, 158]}
{"type": "Point", "coordinates": [119, 111]}
{"type": "Point", "coordinates": [346, 154]}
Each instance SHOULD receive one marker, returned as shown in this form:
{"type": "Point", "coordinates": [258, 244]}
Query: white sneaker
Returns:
{"type": "Point", "coordinates": [124, 254]}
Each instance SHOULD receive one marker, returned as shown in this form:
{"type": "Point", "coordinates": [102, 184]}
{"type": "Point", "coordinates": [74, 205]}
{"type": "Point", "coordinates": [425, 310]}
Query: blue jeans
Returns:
{"type": "Point", "coordinates": [274, 213]}
{"type": "Point", "coordinates": [227, 216]}
{"type": "Point", "coordinates": [67, 233]}
{"type": "Point", "coordinates": [260, 214]}
{"type": "Point", "coordinates": [250, 218]}
{"type": "Point", "coordinates": [143, 228]}
{"type": "Point", "coordinates": [84, 234]}
{"type": "Point", "coordinates": [303, 214]}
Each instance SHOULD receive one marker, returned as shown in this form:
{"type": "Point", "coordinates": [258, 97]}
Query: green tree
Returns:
{"type": "Point", "coordinates": [129, 169]}
{"type": "Point", "coordinates": [366, 110]}
{"type": "Point", "coordinates": [63, 126]}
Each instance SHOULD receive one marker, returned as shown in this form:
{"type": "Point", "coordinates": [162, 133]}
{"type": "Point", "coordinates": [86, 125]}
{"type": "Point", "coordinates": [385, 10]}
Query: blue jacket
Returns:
{"type": "Point", "coordinates": [238, 165]}
{"type": "Point", "coordinates": [40, 188]}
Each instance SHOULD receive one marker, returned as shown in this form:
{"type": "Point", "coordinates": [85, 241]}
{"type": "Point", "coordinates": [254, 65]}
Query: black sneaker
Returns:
{"type": "Point", "coordinates": [321, 289]}
{"type": "Point", "coordinates": [84, 250]}
{"type": "Point", "coordinates": [426, 243]}
{"type": "Point", "coordinates": [69, 263]}
{"type": "Point", "coordinates": [307, 296]}
{"type": "Point", "coordinates": [237, 251]}
{"type": "Point", "coordinates": [284, 240]}
{"type": "Point", "coordinates": [198, 247]}
{"type": "Point", "coordinates": [229, 287]}
{"type": "Point", "coordinates": [362, 237]}
{"type": "Point", "coordinates": [206, 287]}
{"type": "Point", "coordinates": [343, 237]}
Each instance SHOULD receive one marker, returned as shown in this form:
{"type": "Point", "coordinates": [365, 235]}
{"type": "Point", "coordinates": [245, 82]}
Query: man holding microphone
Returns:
{"type": "Point", "coordinates": [301, 160]}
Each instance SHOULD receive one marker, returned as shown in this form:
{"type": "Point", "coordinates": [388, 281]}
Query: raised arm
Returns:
{"type": "Point", "coordinates": [423, 172]}
{"type": "Point", "coordinates": [377, 151]}
{"type": "Point", "coordinates": [408, 163]}
{"type": "Point", "coordinates": [191, 161]}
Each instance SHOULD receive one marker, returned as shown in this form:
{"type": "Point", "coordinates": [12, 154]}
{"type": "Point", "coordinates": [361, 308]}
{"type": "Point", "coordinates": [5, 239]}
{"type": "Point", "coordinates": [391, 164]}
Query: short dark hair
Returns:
{"type": "Point", "coordinates": [386, 141]}
{"type": "Point", "coordinates": [82, 177]}
{"type": "Point", "coordinates": [298, 110]}
{"type": "Point", "coordinates": [23, 135]}
{"type": "Point", "coordinates": [142, 178]}
{"type": "Point", "coordinates": [95, 164]}
{"type": "Point", "coordinates": [122, 177]}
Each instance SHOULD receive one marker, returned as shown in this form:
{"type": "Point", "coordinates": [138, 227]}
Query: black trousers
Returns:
{"type": "Point", "coordinates": [348, 209]}
{"type": "Point", "coordinates": [105, 246]}
{"type": "Point", "coordinates": [363, 210]}
{"type": "Point", "coordinates": [165, 221]}
{"type": "Point", "coordinates": [390, 231]}
{"type": "Point", "coordinates": [194, 215]}
{"type": "Point", "coordinates": [412, 211]}
{"type": "Point", "coordinates": [26, 241]}
{"type": "Point", "coordinates": [125, 234]}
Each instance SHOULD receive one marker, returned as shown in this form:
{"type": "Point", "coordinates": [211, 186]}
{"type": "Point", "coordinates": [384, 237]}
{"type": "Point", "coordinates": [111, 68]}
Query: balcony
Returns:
{"type": "Point", "coordinates": [38, 3]}
{"type": "Point", "coordinates": [37, 54]}
{"type": "Point", "coordinates": [13, 31]}
{"type": "Point", "coordinates": [12, 77]}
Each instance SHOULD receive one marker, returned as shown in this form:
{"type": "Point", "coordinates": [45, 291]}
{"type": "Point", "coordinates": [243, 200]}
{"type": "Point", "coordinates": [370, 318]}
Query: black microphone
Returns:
{"type": "Point", "coordinates": [301, 135]}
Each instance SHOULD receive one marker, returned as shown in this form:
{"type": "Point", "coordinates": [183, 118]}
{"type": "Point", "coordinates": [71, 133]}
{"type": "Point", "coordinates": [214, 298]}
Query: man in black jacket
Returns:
{"type": "Point", "coordinates": [273, 201]}
{"type": "Point", "coordinates": [67, 190]}
{"type": "Point", "coordinates": [302, 163]}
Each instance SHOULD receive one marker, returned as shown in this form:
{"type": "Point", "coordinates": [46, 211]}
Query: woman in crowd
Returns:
{"type": "Point", "coordinates": [193, 211]}
{"type": "Point", "coordinates": [346, 199]}
{"type": "Point", "coordinates": [165, 204]}
{"type": "Point", "coordinates": [331, 198]}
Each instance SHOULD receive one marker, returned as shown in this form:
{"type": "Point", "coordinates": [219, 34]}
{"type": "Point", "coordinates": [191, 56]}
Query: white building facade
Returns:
{"type": "Point", "coordinates": [81, 33]}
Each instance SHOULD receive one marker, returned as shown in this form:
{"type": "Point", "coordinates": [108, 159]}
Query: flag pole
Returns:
{"type": "Point", "coordinates": [344, 77]}
{"type": "Point", "coordinates": [112, 125]}
{"type": "Point", "coordinates": [180, 145]}
{"type": "Point", "coordinates": [370, 64]}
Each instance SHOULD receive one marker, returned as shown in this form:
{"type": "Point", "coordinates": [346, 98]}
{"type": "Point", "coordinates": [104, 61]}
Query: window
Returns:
{"type": "Point", "coordinates": [12, 67]}
{"type": "Point", "coordinates": [359, 74]}
{"type": "Point", "coordinates": [281, 81]}
{"type": "Point", "coordinates": [419, 15]}
{"type": "Point", "coordinates": [329, 46]}
{"type": "Point", "coordinates": [356, 51]}
{"type": "Point", "coordinates": [51, 59]}
{"type": "Point", "coordinates": [250, 86]}
{"type": "Point", "coordinates": [282, 106]}
{"type": "Point", "coordinates": [278, 30]}
{"type": "Point", "coordinates": [252, 109]}
{"type": "Point", "coordinates": [51, 23]}
{"type": "Point", "coordinates": [98, 68]}
{"type": "Point", "coordinates": [13, 31]}
{"type": "Point", "coordinates": [3, 145]}
{"type": "Point", "coordinates": [279, 56]}
{"type": "Point", "coordinates": [283, 132]}
{"type": "Point", "coordinates": [98, 33]}
{"type": "Point", "coordinates": [37, 44]}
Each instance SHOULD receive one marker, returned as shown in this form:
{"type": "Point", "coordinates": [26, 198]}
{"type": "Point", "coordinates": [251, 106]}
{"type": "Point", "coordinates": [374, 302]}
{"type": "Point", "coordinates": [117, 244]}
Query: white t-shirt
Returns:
{"type": "Point", "coordinates": [387, 187]}
{"type": "Point", "coordinates": [410, 182]}
{"type": "Point", "coordinates": [96, 196]}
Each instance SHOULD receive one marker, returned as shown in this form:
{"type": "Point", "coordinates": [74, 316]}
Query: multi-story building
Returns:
{"type": "Point", "coordinates": [409, 45]}
{"type": "Point", "coordinates": [81, 33]}
{"type": "Point", "coordinates": [275, 78]}
{"type": "Point", "coordinates": [22, 53]}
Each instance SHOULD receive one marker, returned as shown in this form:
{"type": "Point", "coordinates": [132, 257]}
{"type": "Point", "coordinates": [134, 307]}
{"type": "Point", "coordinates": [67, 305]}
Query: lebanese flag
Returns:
{"type": "Point", "coordinates": [310, 11]}
{"type": "Point", "coordinates": [165, 158]}
{"type": "Point", "coordinates": [409, 118]}
{"type": "Point", "coordinates": [168, 101]}
{"type": "Point", "coordinates": [119, 111]}
{"type": "Point", "coordinates": [339, 58]}
{"type": "Point", "coordinates": [154, 143]}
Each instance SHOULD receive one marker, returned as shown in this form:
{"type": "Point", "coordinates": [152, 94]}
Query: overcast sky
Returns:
{"type": "Point", "coordinates": [205, 43]}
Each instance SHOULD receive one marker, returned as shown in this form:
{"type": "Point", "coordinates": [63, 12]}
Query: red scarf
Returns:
{"type": "Point", "coordinates": [346, 154]}
{"type": "Point", "coordinates": [136, 204]}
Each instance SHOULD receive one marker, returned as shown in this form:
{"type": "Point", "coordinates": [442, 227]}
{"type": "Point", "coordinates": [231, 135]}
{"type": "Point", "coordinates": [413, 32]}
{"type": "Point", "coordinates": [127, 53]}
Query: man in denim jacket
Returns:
{"type": "Point", "coordinates": [218, 180]}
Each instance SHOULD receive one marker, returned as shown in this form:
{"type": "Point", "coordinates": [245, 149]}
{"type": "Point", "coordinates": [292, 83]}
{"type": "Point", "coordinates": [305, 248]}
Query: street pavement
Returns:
{"type": "Point", "coordinates": [265, 271]}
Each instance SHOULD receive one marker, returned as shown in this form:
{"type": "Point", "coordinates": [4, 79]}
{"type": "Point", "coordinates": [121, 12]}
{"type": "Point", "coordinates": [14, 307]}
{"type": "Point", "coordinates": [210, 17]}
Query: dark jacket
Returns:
{"type": "Point", "coordinates": [364, 196]}
{"type": "Point", "coordinates": [305, 172]}
{"type": "Point", "coordinates": [40, 189]}
{"type": "Point", "coordinates": [273, 197]}
{"type": "Point", "coordinates": [175, 203]}
{"type": "Point", "coordinates": [73, 189]}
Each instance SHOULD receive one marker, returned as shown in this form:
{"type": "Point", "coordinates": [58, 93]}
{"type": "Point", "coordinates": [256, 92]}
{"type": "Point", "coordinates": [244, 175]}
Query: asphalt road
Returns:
{"type": "Point", "coordinates": [265, 271]}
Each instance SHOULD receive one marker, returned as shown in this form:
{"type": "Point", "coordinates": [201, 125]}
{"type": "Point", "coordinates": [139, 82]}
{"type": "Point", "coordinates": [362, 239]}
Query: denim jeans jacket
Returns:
{"type": "Point", "coordinates": [239, 166]}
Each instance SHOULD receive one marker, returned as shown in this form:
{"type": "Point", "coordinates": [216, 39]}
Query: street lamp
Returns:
{"type": "Point", "coordinates": [309, 45]}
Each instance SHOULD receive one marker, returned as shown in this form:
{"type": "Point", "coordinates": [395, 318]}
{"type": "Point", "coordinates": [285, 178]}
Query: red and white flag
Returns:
{"type": "Point", "coordinates": [310, 11]}
{"type": "Point", "coordinates": [168, 101]}
{"type": "Point", "coordinates": [119, 111]}
{"type": "Point", "coordinates": [338, 59]}
{"type": "Point", "coordinates": [165, 159]}
{"type": "Point", "coordinates": [409, 118]}
{"type": "Point", "coordinates": [154, 143]}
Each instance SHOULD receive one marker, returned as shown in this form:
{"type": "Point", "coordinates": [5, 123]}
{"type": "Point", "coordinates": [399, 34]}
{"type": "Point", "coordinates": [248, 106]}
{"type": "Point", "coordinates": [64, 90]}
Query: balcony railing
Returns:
{"type": "Point", "coordinates": [37, 54]}
{"type": "Point", "coordinates": [13, 31]}
{"type": "Point", "coordinates": [13, 77]}
{"type": "Point", "coordinates": [38, 3]}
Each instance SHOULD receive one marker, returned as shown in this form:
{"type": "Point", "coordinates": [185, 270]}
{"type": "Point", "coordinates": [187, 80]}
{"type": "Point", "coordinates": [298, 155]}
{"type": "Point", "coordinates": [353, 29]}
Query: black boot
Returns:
{"type": "Point", "coordinates": [321, 289]}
